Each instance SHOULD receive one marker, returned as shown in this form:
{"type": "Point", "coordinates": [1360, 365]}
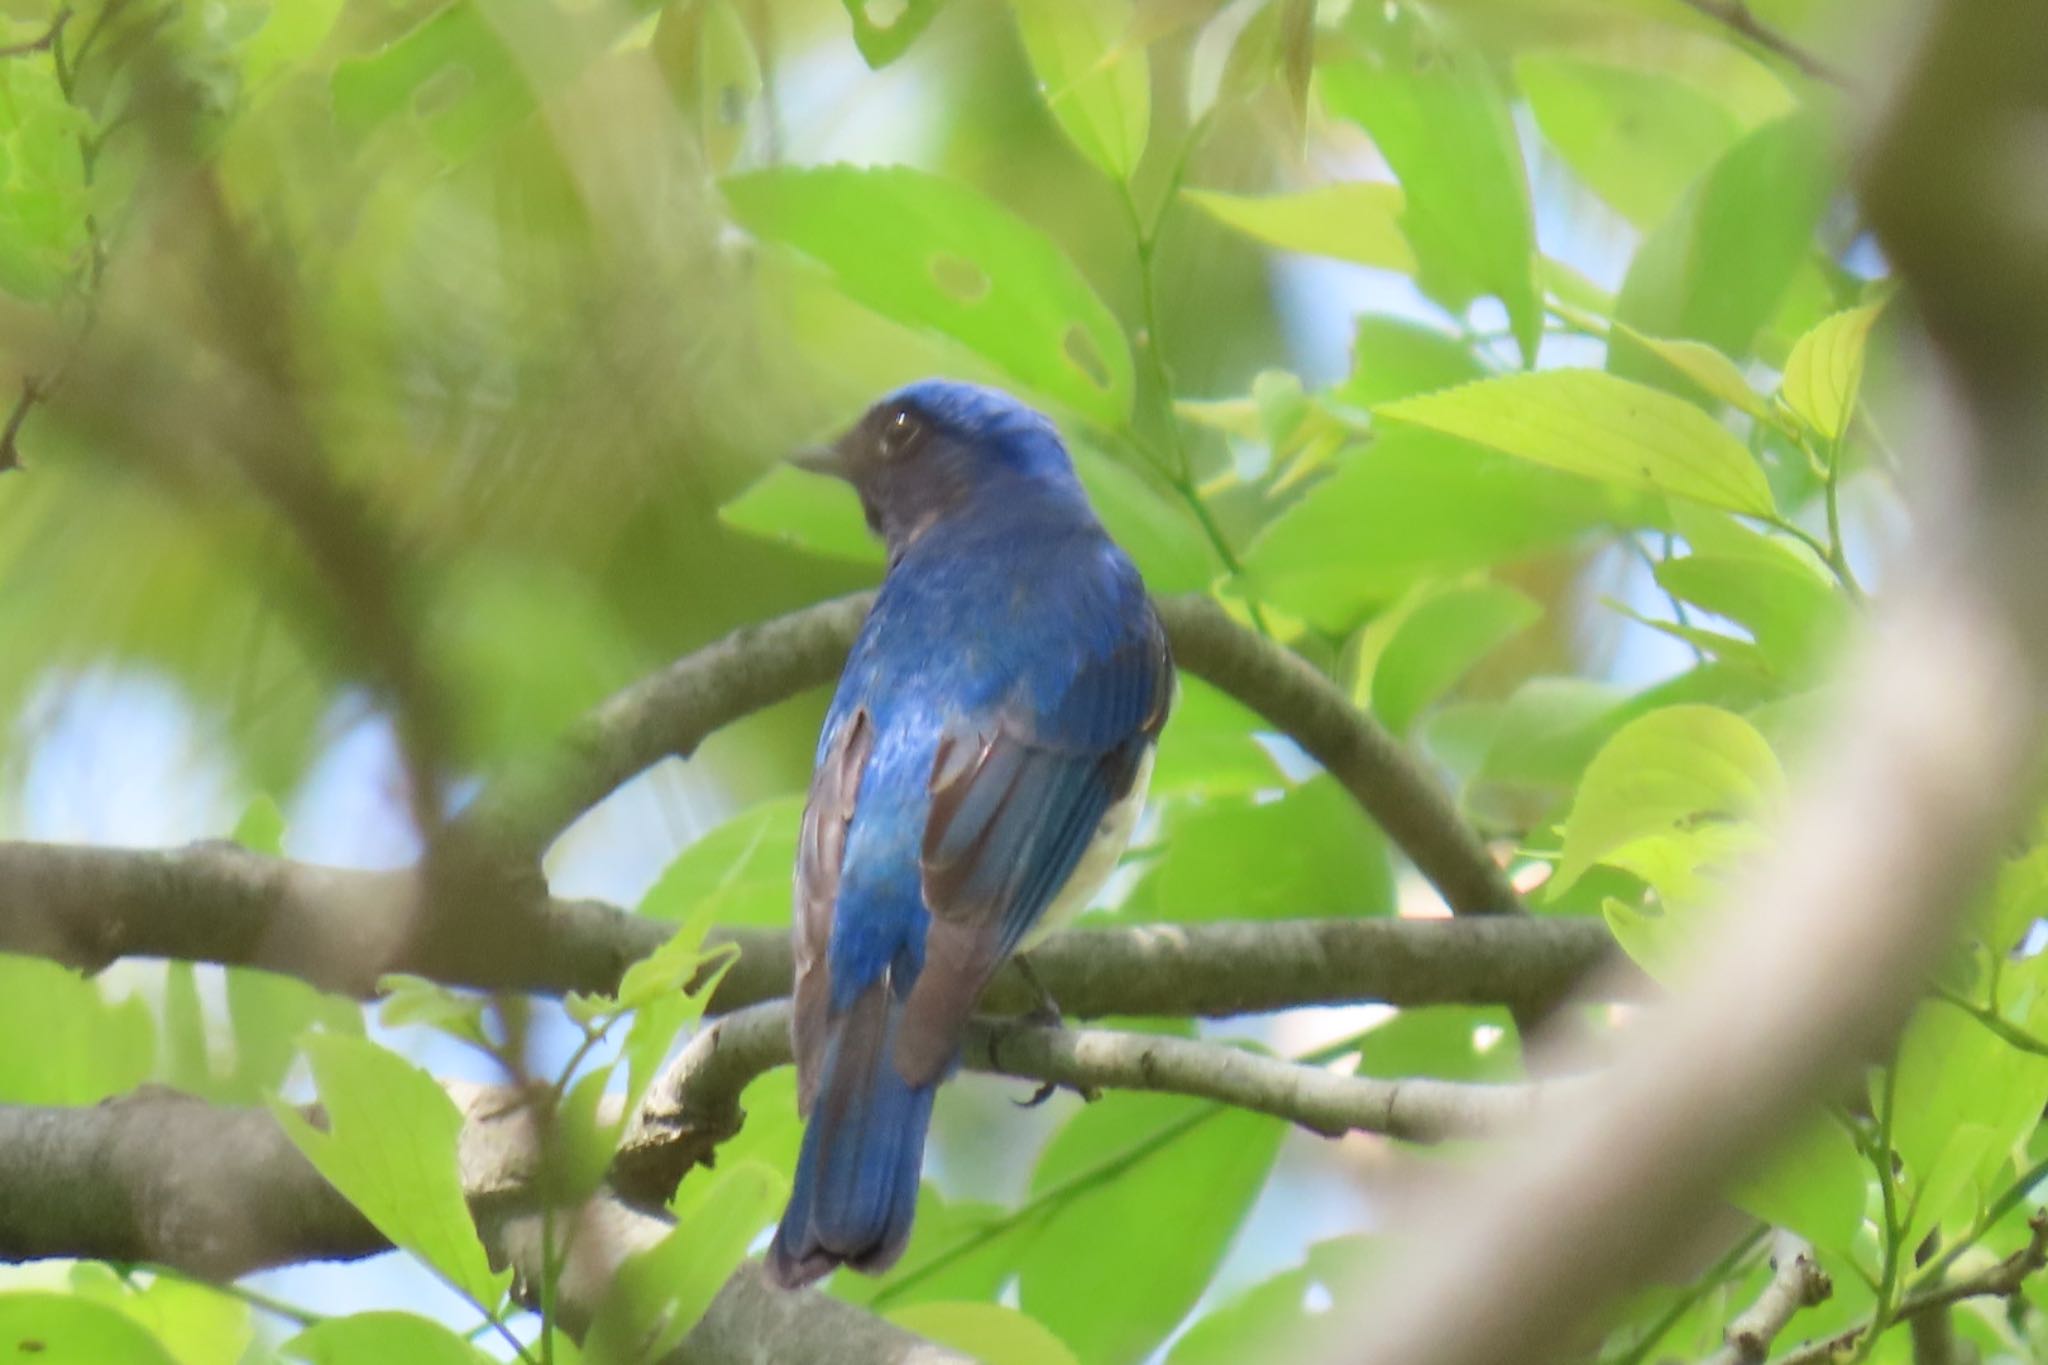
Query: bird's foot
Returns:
{"type": "Point", "coordinates": [1046, 1013]}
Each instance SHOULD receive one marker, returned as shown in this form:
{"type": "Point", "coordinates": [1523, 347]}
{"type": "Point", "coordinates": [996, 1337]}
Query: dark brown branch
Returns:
{"type": "Point", "coordinates": [1736, 16]}
{"type": "Point", "coordinates": [341, 930]}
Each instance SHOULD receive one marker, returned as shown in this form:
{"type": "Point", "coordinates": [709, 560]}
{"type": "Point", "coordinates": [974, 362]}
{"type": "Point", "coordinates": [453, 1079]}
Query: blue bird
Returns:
{"type": "Point", "coordinates": [980, 769]}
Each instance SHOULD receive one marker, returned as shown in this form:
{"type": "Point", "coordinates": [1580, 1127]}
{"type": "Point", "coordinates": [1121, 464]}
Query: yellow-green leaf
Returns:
{"type": "Point", "coordinates": [1356, 221]}
{"type": "Point", "coordinates": [389, 1147]}
{"type": "Point", "coordinates": [1705, 366]}
{"type": "Point", "coordinates": [1589, 423]}
{"type": "Point", "coordinates": [1097, 85]}
{"type": "Point", "coordinates": [989, 1332]}
{"type": "Point", "coordinates": [1826, 367]}
{"type": "Point", "coordinates": [1669, 770]}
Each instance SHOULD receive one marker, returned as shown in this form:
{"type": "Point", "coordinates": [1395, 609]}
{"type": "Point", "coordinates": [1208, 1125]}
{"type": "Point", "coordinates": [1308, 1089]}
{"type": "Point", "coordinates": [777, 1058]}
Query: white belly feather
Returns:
{"type": "Point", "coordinates": [1112, 836]}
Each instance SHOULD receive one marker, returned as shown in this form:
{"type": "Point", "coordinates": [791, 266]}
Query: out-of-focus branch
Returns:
{"type": "Point", "coordinates": [1825, 940]}
{"type": "Point", "coordinates": [1797, 1282]}
{"type": "Point", "coordinates": [339, 930]}
{"type": "Point", "coordinates": [1737, 17]}
{"type": "Point", "coordinates": [2002, 1280]}
{"type": "Point", "coordinates": [673, 711]}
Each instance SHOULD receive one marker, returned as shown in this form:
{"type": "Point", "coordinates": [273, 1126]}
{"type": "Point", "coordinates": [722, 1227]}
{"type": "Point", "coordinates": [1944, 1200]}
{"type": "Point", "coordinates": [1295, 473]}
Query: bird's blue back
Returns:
{"type": "Point", "coordinates": [998, 702]}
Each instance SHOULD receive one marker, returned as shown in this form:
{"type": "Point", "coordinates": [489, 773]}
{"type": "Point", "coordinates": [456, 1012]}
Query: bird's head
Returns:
{"type": "Point", "coordinates": [938, 449]}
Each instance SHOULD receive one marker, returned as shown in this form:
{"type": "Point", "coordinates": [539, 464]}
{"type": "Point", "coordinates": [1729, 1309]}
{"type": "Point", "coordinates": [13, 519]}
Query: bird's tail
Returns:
{"type": "Point", "coordinates": [856, 1178]}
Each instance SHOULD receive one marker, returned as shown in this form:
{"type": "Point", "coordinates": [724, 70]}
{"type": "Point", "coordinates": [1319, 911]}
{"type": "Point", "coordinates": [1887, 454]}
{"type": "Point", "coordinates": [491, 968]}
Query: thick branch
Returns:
{"type": "Point", "coordinates": [342, 929]}
{"type": "Point", "coordinates": [1797, 1282]}
{"type": "Point", "coordinates": [673, 711]}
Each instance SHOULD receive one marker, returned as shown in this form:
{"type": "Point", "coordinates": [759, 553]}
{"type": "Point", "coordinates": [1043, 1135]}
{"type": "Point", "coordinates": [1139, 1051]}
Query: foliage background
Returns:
{"type": "Point", "coordinates": [400, 379]}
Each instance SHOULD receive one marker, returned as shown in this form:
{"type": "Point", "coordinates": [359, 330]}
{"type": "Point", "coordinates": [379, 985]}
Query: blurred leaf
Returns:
{"type": "Point", "coordinates": [736, 873]}
{"type": "Point", "coordinates": [1139, 1230]}
{"type": "Point", "coordinates": [389, 1149]}
{"type": "Point", "coordinates": [1162, 539]}
{"type": "Point", "coordinates": [1716, 267]}
{"type": "Point", "coordinates": [43, 194]}
{"type": "Point", "coordinates": [1794, 616]}
{"type": "Point", "coordinates": [1815, 1185]}
{"type": "Point", "coordinates": [881, 43]}
{"type": "Point", "coordinates": [1443, 1041]}
{"type": "Point", "coordinates": [379, 1336]}
{"type": "Point", "coordinates": [987, 1332]}
{"type": "Point", "coordinates": [1266, 1321]}
{"type": "Point", "coordinates": [451, 72]}
{"type": "Point", "coordinates": [660, 1293]}
{"type": "Point", "coordinates": [1962, 1101]}
{"type": "Point", "coordinates": [1208, 745]}
{"type": "Point", "coordinates": [1097, 84]}
{"type": "Point", "coordinates": [810, 511]}
{"type": "Point", "coordinates": [1219, 861]}
{"type": "Point", "coordinates": [1638, 138]}
{"type": "Point", "coordinates": [1442, 123]}
{"type": "Point", "coordinates": [415, 1000]}
{"type": "Point", "coordinates": [1716, 375]}
{"type": "Point", "coordinates": [1412, 655]}
{"type": "Point", "coordinates": [934, 253]}
{"type": "Point", "coordinates": [267, 1014]}
{"type": "Point", "coordinates": [1394, 358]}
{"type": "Point", "coordinates": [196, 1323]}
{"type": "Point", "coordinates": [1670, 769]}
{"type": "Point", "coordinates": [86, 1049]}
{"type": "Point", "coordinates": [1356, 221]}
{"type": "Point", "coordinates": [261, 828]}
{"type": "Point", "coordinates": [290, 33]}
{"type": "Point", "coordinates": [1825, 369]}
{"type": "Point", "coordinates": [959, 1250]}
{"type": "Point", "coordinates": [185, 1063]}
{"type": "Point", "coordinates": [728, 82]}
{"type": "Point", "coordinates": [1586, 422]}
{"type": "Point", "coordinates": [1413, 506]}
{"type": "Point", "coordinates": [64, 1329]}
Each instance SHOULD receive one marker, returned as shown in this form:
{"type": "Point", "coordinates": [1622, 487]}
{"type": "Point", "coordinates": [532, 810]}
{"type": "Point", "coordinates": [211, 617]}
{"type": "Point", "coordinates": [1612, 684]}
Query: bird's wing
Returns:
{"type": "Point", "coordinates": [1016, 795]}
{"type": "Point", "coordinates": [821, 848]}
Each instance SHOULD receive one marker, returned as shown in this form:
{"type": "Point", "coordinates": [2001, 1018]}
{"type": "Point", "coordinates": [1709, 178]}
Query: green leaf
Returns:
{"type": "Point", "coordinates": [379, 1336]}
{"type": "Point", "coordinates": [196, 1323]}
{"type": "Point", "coordinates": [736, 873]}
{"type": "Point", "coordinates": [810, 511]}
{"type": "Point", "coordinates": [1357, 221]}
{"type": "Point", "coordinates": [933, 253]}
{"type": "Point", "coordinates": [1217, 863]}
{"type": "Point", "coordinates": [1139, 1230]}
{"type": "Point", "coordinates": [389, 1149]}
{"type": "Point", "coordinates": [1411, 656]}
{"type": "Point", "coordinates": [267, 1014]}
{"type": "Point", "coordinates": [1266, 1321]}
{"type": "Point", "coordinates": [417, 1001]}
{"type": "Point", "coordinates": [452, 74]}
{"type": "Point", "coordinates": [1416, 506]}
{"type": "Point", "coordinates": [1442, 1041]}
{"type": "Point", "coordinates": [959, 1250]}
{"type": "Point", "coordinates": [1637, 138]}
{"type": "Point", "coordinates": [1443, 124]}
{"type": "Point", "coordinates": [289, 35]}
{"type": "Point", "coordinates": [1163, 540]}
{"type": "Point", "coordinates": [261, 828]}
{"type": "Point", "coordinates": [1815, 1185]}
{"type": "Point", "coordinates": [64, 1329]}
{"type": "Point", "coordinates": [1826, 368]}
{"type": "Point", "coordinates": [85, 1050]}
{"type": "Point", "coordinates": [1665, 771]}
{"type": "Point", "coordinates": [1394, 358]}
{"type": "Point", "coordinates": [660, 1293]}
{"type": "Point", "coordinates": [186, 1065]}
{"type": "Point", "coordinates": [1716, 375]}
{"type": "Point", "coordinates": [1953, 1075]}
{"type": "Point", "coordinates": [1097, 84]}
{"type": "Point", "coordinates": [986, 1332]}
{"type": "Point", "coordinates": [728, 81]}
{"type": "Point", "coordinates": [1794, 616]}
{"type": "Point", "coordinates": [1714, 270]}
{"type": "Point", "coordinates": [882, 41]}
{"type": "Point", "coordinates": [1589, 423]}
{"type": "Point", "coordinates": [43, 211]}
{"type": "Point", "coordinates": [1208, 745]}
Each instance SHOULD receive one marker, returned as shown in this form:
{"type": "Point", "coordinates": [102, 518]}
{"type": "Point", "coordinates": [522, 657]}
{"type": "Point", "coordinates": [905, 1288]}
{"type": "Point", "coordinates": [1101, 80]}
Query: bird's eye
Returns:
{"type": "Point", "coordinates": [901, 432]}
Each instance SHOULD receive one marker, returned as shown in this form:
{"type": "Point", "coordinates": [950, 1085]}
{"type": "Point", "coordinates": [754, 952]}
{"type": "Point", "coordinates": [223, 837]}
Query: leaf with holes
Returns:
{"type": "Point", "coordinates": [1359, 221]}
{"type": "Point", "coordinates": [933, 253]}
{"type": "Point", "coordinates": [1669, 770]}
{"type": "Point", "coordinates": [389, 1148]}
{"type": "Point", "coordinates": [1589, 423]}
{"type": "Point", "coordinates": [1826, 368]}
{"type": "Point", "coordinates": [1096, 82]}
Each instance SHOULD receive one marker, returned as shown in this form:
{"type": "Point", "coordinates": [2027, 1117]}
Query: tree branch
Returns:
{"type": "Point", "coordinates": [2003, 1280]}
{"type": "Point", "coordinates": [341, 930]}
{"type": "Point", "coordinates": [1797, 1282]}
{"type": "Point", "coordinates": [673, 711]}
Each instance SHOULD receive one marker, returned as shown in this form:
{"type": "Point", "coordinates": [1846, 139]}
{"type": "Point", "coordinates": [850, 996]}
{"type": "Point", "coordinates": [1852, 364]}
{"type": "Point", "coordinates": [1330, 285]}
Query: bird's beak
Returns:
{"type": "Point", "coordinates": [823, 460]}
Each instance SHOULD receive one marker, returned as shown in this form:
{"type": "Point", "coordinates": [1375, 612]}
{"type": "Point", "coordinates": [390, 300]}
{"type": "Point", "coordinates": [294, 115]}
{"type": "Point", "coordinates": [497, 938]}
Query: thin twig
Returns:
{"type": "Point", "coordinates": [1797, 1282]}
{"type": "Point", "coordinates": [1737, 17]}
{"type": "Point", "coordinates": [10, 451]}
